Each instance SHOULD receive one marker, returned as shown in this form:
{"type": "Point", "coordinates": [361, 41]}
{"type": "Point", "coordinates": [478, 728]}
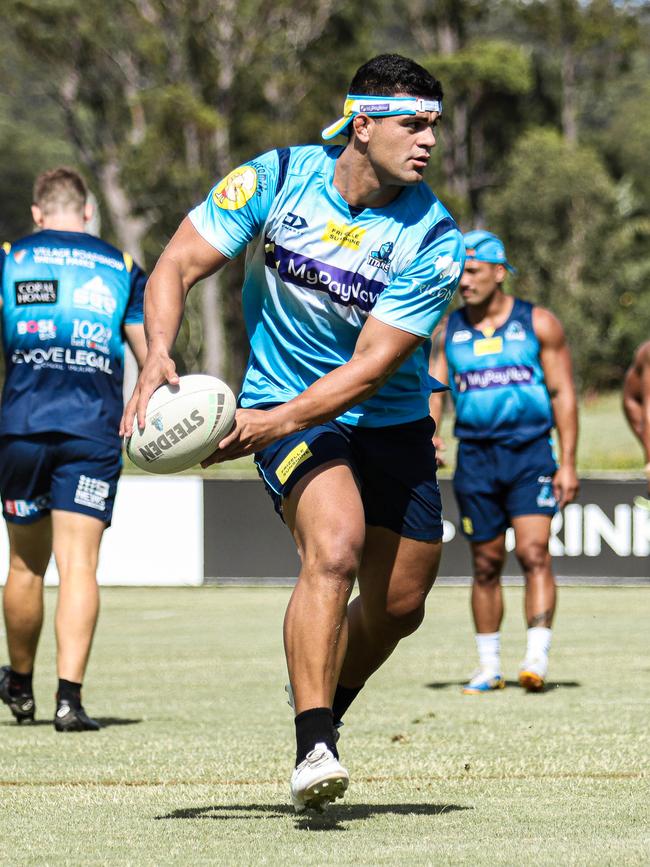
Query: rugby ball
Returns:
{"type": "Point", "coordinates": [184, 424]}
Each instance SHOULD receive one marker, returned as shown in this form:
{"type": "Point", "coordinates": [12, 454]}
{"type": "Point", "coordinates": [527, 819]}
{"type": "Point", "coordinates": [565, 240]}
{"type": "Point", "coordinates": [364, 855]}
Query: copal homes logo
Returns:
{"type": "Point", "coordinates": [36, 291]}
{"type": "Point", "coordinates": [95, 295]}
{"type": "Point", "coordinates": [343, 236]}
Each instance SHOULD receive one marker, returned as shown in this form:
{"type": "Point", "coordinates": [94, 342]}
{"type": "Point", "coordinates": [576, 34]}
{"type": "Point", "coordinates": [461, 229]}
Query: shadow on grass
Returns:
{"type": "Point", "coordinates": [310, 821]}
{"type": "Point", "coordinates": [549, 687]}
{"type": "Point", "coordinates": [104, 721]}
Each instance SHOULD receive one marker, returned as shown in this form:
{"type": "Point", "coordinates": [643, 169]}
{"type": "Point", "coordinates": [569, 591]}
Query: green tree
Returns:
{"type": "Point", "coordinates": [577, 249]}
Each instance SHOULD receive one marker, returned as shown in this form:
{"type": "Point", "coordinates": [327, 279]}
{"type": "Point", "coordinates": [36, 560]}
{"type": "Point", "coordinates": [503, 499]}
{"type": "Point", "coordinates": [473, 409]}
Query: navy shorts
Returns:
{"type": "Point", "coordinates": [41, 472]}
{"type": "Point", "coordinates": [494, 483]}
{"type": "Point", "coordinates": [395, 467]}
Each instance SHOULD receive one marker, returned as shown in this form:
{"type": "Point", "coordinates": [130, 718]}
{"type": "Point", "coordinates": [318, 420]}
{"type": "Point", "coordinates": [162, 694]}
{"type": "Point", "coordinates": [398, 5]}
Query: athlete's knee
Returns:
{"type": "Point", "coordinates": [399, 617]}
{"type": "Point", "coordinates": [336, 563]}
{"type": "Point", "coordinates": [487, 568]}
{"type": "Point", "coordinates": [534, 557]}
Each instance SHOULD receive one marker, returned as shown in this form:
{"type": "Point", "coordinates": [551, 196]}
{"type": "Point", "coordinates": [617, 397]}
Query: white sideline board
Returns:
{"type": "Point", "coordinates": [156, 538]}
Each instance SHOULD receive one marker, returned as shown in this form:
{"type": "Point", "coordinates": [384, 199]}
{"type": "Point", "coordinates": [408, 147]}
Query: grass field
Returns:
{"type": "Point", "coordinates": [192, 765]}
{"type": "Point", "coordinates": [605, 443]}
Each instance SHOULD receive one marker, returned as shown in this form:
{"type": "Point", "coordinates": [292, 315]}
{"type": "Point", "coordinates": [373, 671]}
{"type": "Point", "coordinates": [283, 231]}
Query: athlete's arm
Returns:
{"type": "Point", "coordinates": [438, 369]}
{"type": "Point", "coordinates": [135, 337]}
{"type": "Point", "coordinates": [187, 259]}
{"type": "Point", "coordinates": [379, 351]}
{"type": "Point", "coordinates": [643, 365]}
{"type": "Point", "coordinates": [632, 402]}
{"type": "Point", "coordinates": [555, 359]}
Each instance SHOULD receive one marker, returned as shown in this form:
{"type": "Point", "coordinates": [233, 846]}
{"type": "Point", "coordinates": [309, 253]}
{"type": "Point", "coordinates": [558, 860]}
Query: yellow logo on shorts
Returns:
{"type": "Point", "coordinates": [293, 459]}
{"type": "Point", "coordinates": [488, 346]}
{"type": "Point", "coordinates": [344, 236]}
{"type": "Point", "coordinates": [236, 189]}
{"type": "Point", "coordinates": [468, 527]}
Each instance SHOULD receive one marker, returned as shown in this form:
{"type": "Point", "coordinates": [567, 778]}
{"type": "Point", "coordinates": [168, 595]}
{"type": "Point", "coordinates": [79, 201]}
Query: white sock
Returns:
{"type": "Point", "coordinates": [538, 644]}
{"type": "Point", "coordinates": [488, 645]}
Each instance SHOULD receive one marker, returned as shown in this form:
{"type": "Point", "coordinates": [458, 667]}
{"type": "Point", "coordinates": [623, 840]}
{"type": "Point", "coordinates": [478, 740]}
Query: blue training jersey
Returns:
{"type": "Point", "coordinates": [66, 297]}
{"type": "Point", "coordinates": [320, 268]}
{"type": "Point", "coordinates": [497, 381]}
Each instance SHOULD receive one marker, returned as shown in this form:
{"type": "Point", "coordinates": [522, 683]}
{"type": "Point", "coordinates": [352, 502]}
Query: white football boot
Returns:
{"type": "Point", "coordinates": [318, 780]}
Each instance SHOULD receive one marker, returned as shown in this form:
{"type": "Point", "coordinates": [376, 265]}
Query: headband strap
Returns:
{"type": "Point", "coordinates": [379, 106]}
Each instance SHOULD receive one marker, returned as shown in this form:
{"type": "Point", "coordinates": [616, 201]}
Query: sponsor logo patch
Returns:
{"type": "Point", "coordinates": [446, 266]}
{"type": "Point", "coordinates": [96, 296]}
{"type": "Point", "coordinates": [343, 236]}
{"type": "Point", "coordinates": [293, 460]}
{"type": "Point", "coordinates": [374, 107]}
{"type": "Point", "coordinates": [25, 508]}
{"type": "Point", "coordinates": [236, 189]}
{"type": "Point", "coordinates": [343, 287]}
{"type": "Point", "coordinates": [19, 255]}
{"type": "Point", "coordinates": [494, 377]}
{"type": "Point", "coordinates": [515, 331]}
{"type": "Point", "coordinates": [44, 328]}
{"type": "Point", "coordinates": [461, 336]}
{"type": "Point", "coordinates": [294, 222]}
{"type": "Point", "coordinates": [488, 346]}
{"type": "Point", "coordinates": [92, 493]}
{"type": "Point", "coordinates": [468, 527]}
{"type": "Point", "coordinates": [546, 497]}
{"type": "Point", "coordinates": [381, 258]}
{"type": "Point", "coordinates": [36, 291]}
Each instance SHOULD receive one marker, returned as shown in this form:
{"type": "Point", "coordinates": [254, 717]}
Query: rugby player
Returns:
{"type": "Point", "coordinates": [509, 369]}
{"type": "Point", "coordinates": [354, 263]}
{"type": "Point", "coordinates": [69, 300]}
{"type": "Point", "coordinates": [636, 403]}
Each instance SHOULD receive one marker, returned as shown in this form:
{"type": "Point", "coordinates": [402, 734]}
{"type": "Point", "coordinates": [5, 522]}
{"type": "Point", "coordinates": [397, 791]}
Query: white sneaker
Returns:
{"type": "Point", "coordinates": [318, 780]}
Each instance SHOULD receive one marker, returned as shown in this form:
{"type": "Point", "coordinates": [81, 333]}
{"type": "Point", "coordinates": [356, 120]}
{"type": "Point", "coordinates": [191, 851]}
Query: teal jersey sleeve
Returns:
{"type": "Point", "coordinates": [416, 300]}
{"type": "Point", "coordinates": [237, 207]}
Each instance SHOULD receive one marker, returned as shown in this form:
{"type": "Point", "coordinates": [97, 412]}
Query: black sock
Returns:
{"type": "Point", "coordinates": [343, 698]}
{"type": "Point", "coordinates": [70, 692]}
{"type": "Point", "coordinates": [20, 684]}
{"type": "Point", "coordinates": [314, 726]}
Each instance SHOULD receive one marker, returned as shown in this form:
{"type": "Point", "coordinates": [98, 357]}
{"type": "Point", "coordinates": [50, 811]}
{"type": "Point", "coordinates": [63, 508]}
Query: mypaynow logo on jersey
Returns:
{"type": "Point", "coordinates": [495, 377]}
{"type": "Point", "coordinates": [344, 287]}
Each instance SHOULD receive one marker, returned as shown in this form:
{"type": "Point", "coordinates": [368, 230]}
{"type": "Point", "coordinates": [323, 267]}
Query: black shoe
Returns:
{"type": "Point", "coordinates": [73, 719]}
{"type": "Point", "coordinates": [22, 706]}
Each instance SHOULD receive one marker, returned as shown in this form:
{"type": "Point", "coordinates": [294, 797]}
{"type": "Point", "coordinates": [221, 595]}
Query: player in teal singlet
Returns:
{"type": "Point", "coordinates": [509, 371]}
{"type": "Point", "coordinates": [353, 261]}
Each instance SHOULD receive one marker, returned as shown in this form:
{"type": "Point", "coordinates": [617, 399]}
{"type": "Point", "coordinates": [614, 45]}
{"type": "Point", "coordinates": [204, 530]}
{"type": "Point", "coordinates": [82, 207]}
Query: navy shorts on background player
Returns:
{"type": "Point", "coordinates": [494, 482]}
{"type": "Point", "coordinates": [42, 472]}
{"type": "Point", "coordinates": [394, 465]}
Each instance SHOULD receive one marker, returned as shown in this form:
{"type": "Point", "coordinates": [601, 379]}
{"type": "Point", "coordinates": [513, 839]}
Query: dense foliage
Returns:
{"type": "Point", "coordinates": [544, 140]}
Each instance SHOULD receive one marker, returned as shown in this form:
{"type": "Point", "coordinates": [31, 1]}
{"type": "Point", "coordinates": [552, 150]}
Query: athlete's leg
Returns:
{"type": "Point", "coordinates": [325, 514]}
{"type": "Point", "coordinates": [487, 599]}
{"type": "Point", "coordinates": [30, 546]}
{"type": "Point", "coordinates": [532, 534]}
{"type": "Point", "coordinates": [395, 576]}
{"type": "Point", "coordinates": [76, 540]}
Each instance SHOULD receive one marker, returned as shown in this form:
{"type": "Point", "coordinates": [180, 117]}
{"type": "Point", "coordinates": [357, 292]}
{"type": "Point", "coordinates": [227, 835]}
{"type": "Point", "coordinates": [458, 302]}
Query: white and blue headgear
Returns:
{"type": "Point", "coordinates": [379, 106]}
